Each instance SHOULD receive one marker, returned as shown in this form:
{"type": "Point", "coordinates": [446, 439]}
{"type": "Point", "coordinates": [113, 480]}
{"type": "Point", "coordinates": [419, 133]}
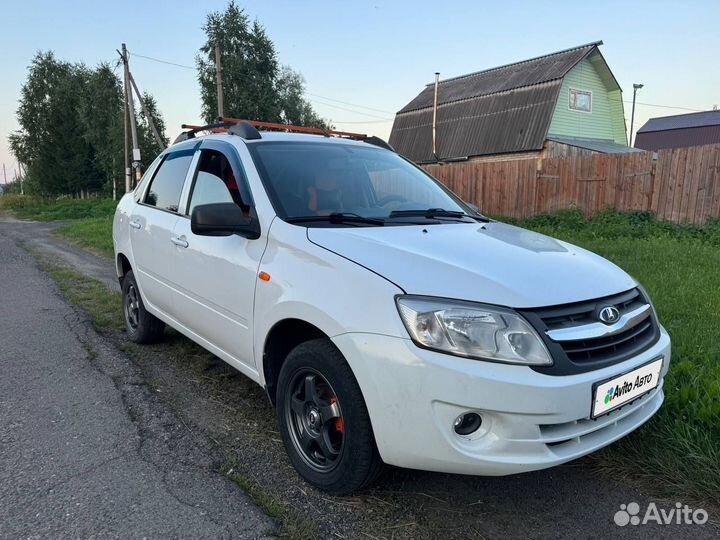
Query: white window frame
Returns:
{"type": "Point", "coordinates": [580, 91]}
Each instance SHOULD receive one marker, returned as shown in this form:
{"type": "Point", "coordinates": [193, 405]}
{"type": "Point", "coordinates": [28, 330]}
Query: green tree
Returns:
{"type": "Point", "coordinates": [71, 127]}
{"type": "Point", "coordinates": [254, 85]}
{"type": "Point", "coordinates": [295, 108]}
{"type": "Point", "coordinates": [36, 99]}
{"type": "Point", "coordinates": [149, 148]}
{"type": "Point", "coordinates": [100, 111]}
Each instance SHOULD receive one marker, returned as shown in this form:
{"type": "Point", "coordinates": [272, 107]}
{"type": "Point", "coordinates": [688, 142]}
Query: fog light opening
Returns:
{"type": "Point", "coordinates": [467, 424]}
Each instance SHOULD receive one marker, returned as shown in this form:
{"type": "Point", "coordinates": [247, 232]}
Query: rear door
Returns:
{"type": "Point", "coordinates": [151, 229]}
{"type": "Point", "coordinates": [217, 275]}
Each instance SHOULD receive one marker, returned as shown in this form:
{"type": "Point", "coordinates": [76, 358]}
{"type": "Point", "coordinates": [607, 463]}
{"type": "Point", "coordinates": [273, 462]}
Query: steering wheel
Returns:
{"type": "Point", "coordinates": [390, 198]}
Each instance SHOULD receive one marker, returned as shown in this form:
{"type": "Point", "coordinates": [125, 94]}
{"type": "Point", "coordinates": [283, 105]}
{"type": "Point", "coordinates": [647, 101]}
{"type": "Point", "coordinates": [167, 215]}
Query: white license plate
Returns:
{"type": "Point", "coordinates": [622, 390]}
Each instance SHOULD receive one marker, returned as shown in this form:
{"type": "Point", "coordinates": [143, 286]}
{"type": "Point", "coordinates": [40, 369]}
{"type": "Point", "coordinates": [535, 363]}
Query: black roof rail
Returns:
{"type": "Point", "coordinates": [242, 129]}
{"type": "Point", "coordinates": [245, 130]}
{"type": "Point", "coordinates": [192, 130]}
{"type": "Point", "coordinates": [377, 141]}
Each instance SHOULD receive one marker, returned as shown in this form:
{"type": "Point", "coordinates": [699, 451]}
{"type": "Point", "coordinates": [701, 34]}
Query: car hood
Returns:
{"type": "Point", "coordinates": [492, 262]}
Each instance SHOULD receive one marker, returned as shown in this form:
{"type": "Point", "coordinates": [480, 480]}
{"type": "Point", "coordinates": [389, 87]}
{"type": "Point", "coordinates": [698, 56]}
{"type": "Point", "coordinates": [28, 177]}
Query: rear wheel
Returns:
{"type": "Point", "coordinates": [324, 421]}
{"type": "Point", "coordinates": [141, 325]}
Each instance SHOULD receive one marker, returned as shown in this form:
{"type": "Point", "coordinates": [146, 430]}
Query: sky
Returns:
{"type": "Point", "coordinates": [364, 60]}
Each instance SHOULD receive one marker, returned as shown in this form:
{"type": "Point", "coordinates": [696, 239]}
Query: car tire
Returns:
{"type": "Point", "coordinates": [141, 326]}
{"type": "Point", "coordinates": [324, 421]}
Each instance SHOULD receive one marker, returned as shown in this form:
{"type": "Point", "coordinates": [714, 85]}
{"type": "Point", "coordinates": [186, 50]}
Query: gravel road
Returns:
{"type": "Point", "coordinates": [78, 405]}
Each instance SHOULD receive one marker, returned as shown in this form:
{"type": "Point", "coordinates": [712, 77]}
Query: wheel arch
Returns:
{"type": "Point", "coordinates": [282, 338]}
{"type": "Point", "coordinates": [122, 266]}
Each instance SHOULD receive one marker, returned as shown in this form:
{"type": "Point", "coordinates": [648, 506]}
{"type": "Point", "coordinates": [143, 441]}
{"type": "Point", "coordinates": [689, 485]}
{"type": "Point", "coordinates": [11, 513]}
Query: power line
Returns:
{"type": "Point", "coordinates": [184, 66]}
{"type": "Point", "coordinates": [161, 61]}
{"type": "Point", "coordinates": [363, 121]}
{"type": "Point", "coordinates": [349, 110]}
{"type": "Point", "coordinates": [665, 106]}
{"type": "Point", "coordinates": [348, 103]}
{"type": "Point", "coordinates": [356, 105]}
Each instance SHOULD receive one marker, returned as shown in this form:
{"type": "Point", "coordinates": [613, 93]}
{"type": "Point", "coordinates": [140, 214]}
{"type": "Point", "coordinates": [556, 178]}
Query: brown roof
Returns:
{"type": "Point", "coordinates": [503, 109]}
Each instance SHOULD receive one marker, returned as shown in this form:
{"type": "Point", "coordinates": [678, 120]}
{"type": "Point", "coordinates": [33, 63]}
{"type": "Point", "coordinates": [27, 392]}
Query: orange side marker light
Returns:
{"type": "Point", "coordinates": [264, 276]}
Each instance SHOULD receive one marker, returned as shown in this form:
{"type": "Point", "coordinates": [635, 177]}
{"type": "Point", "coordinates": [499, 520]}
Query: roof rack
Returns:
{"type": "Point", "coordinates": [290, 128]}
{"type": "Point", "coordinates": [248, 129]}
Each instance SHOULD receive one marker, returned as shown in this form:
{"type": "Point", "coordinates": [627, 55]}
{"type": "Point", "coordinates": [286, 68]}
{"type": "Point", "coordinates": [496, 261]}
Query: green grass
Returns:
{"type": "Point", "coordinates": [92, 233]}
{"type": "Point", "coordinates": [292, 525]}
{"type": "Point", "coordinates": [102, 304]}
{"type": "Point", "coordinates": [678, 265]}
{"type": "Point", "coordinates": [40, 209]}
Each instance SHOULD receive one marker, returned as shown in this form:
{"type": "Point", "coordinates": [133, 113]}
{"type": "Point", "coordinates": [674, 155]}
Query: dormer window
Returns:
{"type": "Point", "coordinates": [580, 100]}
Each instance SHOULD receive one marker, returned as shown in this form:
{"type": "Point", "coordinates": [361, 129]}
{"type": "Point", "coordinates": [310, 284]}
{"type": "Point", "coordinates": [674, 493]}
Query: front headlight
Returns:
{"type": "Point", "coordinates": [472, 330]}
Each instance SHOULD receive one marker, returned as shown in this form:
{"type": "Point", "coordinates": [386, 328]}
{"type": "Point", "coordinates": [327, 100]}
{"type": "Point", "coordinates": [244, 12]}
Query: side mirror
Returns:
{"type": "Point", "coordinates": [223, 219]}
{"type": "Point", "coordinates": [473, 207]}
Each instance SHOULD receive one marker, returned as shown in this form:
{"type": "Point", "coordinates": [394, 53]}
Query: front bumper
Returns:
{"type": "Point", "coordinates": [530, 420]}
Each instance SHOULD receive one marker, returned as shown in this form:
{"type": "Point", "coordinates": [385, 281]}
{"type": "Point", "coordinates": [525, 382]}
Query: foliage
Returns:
{"type": "Point", "coordinates": [71, 128]}
{"type": "Point", "coordinates": [254, 85]}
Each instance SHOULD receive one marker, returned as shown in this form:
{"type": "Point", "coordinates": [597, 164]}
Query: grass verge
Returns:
{"type": "Point", "coordinates": [91, 233]}
{"type": "Point", "coordinates": [42, 209]}
{"type": "Point", "coordinates": [95, 298]}
{"type": "Point", "coordinates": [293, 526]}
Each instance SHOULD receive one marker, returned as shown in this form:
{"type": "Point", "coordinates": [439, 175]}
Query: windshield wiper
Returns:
{"type": "Point", "coordinates": [337, 217]}
{"type": "Point", "coordinates": [428, 213]}
{"type": "Point", "coordinates": [431, 213]}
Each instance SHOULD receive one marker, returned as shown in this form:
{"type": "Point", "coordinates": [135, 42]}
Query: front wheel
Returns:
{"type": "Point", "coordinates": [324, 421]}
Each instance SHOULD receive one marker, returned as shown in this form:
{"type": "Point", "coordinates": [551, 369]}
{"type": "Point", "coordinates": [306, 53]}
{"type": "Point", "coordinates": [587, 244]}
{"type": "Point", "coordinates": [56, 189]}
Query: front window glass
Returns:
{"type": "Point", "coordinates": [321, 179]}
{"type": "Point", "coordinates": [215, 181]}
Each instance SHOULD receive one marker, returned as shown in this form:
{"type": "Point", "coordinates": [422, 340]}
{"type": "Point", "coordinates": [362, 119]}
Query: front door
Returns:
{"type": "Point", "coordinates": [216, 275]}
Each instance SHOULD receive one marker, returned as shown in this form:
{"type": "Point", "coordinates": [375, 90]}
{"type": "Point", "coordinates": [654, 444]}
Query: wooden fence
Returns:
{"type": "Point", "coordinates": [680, 185]}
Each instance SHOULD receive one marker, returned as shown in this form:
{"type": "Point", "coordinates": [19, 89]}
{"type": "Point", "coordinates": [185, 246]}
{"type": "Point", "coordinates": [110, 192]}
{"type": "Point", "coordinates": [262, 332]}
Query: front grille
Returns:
{"type": "Point", "coordinates": [595, 352]}
{"type": "Point", "coordinates": [622, 345]}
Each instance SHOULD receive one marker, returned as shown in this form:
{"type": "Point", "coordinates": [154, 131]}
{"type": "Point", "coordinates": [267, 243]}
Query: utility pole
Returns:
{"type": "Point", "coordinates": [4, 173]}
{"type": "Point", "coordinates": [22, 175]}
{"type": "Point", "coordinates": [434, 117]}
{"type": "Point", "coordinates": [125, 139]}
{"type": "Point", "coordinates": [218, 81]}
{"type": "Point", "coordinates": [125, 125]}
{"type": "Point", "coordinates": [636, 87]}
{"type": "Point", "coordinates": [131, 112]}
{"type": "Point", "coordinates": [145, 112]}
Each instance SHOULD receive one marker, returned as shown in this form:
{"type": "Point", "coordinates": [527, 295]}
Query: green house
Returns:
{"type": "Point", "coordinates": [563, 103]}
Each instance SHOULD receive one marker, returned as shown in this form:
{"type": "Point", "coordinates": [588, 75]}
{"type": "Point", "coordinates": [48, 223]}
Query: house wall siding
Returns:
{"type": "Point", "coordinates": [602, 122]}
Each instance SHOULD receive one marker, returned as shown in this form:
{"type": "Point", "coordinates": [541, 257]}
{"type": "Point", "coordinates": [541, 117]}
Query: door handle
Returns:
{"type": "Point", "coordinates": [179, 241]}
{"type": "Point", "coordinates": [135, 224]}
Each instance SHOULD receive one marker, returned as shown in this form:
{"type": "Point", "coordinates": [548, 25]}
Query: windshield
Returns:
{"type": "Point", "coordinates": [349, 183]}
